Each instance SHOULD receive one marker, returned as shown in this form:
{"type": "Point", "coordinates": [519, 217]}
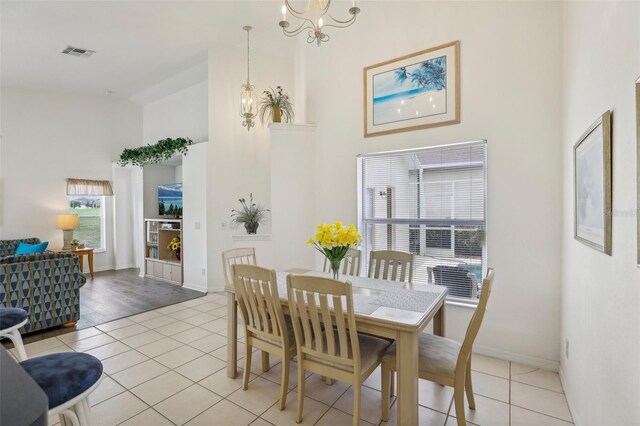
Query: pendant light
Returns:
{"type": "Point", "coordinates": [248, 99]}
{"type": "Point", "coordinates": [314, 18]}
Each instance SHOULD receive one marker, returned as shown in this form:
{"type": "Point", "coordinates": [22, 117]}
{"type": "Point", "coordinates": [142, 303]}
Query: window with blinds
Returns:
{"type": "Point", "coordinates": [430, 202]}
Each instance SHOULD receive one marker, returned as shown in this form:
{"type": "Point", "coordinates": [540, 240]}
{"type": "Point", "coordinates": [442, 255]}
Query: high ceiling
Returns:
{"type": "Point", "coordinates": [138, 44]}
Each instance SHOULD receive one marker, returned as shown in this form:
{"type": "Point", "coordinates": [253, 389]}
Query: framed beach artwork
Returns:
{"type": "Point", "coordinates": [592, 185]}
{"type": "Point", "coordinates": [415, 91]}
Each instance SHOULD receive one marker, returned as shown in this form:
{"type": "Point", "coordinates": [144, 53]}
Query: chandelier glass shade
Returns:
{"type": "Point", "coordinates": [314, 19]}
{"type": "Point", "coordinates": [248, 99]}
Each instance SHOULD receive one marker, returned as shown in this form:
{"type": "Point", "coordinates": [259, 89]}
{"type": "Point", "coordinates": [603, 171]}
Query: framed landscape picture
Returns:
{"type": "Point", "coordinates": [413, 92]}
{"type": "Point", "coordinates": [592, 185]}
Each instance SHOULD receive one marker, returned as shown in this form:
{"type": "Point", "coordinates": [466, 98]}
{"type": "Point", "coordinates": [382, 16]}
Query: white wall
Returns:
{"type": "Point", "coordinates": [48, 137]}
{"type": "Point", "coordinates": [181, 114]}
{"type": "Point", "coordinates": [194, 221]}
{"type": "Point", "coordinates": [510, 95]}
{"type": "Point", "coordinates": [238, 161]}
{"type": "Point", "coordinates": [153, 176]}
{"type": "Point", "coordinates": [126, 195]}
{"type": "Point", "coordinates": [600, 293]}
{"type": "Point", "coordinates": [292, 201]}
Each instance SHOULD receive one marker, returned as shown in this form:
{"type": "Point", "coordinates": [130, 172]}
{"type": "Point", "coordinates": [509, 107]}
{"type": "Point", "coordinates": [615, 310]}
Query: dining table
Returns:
{"type": "Point", "coordinates": [388, 309]}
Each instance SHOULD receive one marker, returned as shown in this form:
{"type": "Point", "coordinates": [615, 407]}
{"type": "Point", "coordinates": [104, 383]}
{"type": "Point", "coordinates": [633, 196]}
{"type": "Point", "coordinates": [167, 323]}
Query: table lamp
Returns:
{"type": "Point", "coordinates": [67, 222]}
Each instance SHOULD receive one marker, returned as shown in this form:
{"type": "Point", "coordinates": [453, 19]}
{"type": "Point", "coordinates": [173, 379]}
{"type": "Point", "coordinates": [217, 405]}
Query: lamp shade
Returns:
{"type": "Point", "coordinates": [67, 222]}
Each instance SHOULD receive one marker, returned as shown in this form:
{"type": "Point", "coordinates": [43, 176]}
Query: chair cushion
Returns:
{"type": "Point", "coordinates": [10, 317]}
{"type": "Point", "coordinates": [371, 351]}
{"type": "Point", "coordinates": [438, 355]}
{"type": "Point", "coordinates": [24, 248]}
{"type": "Point", "coordinates": [64, 376]}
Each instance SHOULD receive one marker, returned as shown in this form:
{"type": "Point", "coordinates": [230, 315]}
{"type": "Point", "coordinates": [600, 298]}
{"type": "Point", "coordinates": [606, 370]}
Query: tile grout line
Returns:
{"type": "Point", "coordinates": [538, 387]}
{"type": "Point", "coordinates": [542, 414]}
{"type": "Point", "coordinates": [261, 375]}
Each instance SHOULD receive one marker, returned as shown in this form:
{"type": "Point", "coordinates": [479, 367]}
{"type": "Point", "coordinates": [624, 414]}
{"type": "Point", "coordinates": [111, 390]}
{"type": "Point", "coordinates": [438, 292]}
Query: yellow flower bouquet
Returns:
{"type": "Point", "coordinates": [174, 246]}
{"type": "Point", "coordinates": [334, 241]}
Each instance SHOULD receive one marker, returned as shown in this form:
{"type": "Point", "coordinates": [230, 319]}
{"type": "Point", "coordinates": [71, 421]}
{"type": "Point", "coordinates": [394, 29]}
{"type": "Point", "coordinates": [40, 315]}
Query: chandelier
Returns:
{"type": "Point", "coordinates": [315, 17]}
{"type": "Point", "coordinates": [248, 100]}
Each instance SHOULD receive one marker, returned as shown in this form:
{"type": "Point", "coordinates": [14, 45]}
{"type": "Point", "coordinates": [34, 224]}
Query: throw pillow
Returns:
{"type": "Point", "coordinates": [24, 248]}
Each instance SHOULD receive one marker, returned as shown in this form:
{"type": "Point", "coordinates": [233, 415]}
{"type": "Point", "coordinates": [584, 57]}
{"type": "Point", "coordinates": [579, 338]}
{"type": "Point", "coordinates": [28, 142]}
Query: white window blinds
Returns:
{"type": "Point", "coordinates": [430, 202]}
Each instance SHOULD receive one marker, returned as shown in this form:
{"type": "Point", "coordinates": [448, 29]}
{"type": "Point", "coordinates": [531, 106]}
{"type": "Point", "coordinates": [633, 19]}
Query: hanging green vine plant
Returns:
{"type": "Point", "coordinates": [156, 153]}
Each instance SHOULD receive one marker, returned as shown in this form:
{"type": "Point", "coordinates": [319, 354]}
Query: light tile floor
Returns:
{"type": "Point", "coordinates": [167, 367]}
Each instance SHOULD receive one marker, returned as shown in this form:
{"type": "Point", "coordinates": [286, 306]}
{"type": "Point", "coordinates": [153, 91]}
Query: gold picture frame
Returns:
{"type": "Point", "coordinates": [592, 192]}
{"type": "Point", "coordinates": [638, 162]}
{"type": "Point", "coordinates": [412, 92]}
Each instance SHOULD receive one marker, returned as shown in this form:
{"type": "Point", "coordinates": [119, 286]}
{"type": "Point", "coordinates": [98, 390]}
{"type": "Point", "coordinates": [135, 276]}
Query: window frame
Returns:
{"type": "Point", "coordinates": [364, 191]}
{"type": "Point", "coordinates": [102, 216]}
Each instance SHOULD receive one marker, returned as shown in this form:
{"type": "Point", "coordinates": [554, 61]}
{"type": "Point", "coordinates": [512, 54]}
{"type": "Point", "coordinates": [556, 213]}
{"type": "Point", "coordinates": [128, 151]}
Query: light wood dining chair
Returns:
{"type": "Point", "coordinates": [443, 360]}
{"type": "Point", "coordinates": [327, 341]}
{"type": "Point", "coordinates": [350, 263]}
{"type": "Point", "coordinates": [241, 256]}
{"type": "Point", "coordinates": [265, 325]}
{"type": "Point", "coordinates": [391, 265]}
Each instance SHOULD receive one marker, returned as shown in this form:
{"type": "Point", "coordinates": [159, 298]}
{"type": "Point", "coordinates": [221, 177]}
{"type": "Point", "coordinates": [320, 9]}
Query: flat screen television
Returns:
{"type": "Point", "coordinates": [170, 199]}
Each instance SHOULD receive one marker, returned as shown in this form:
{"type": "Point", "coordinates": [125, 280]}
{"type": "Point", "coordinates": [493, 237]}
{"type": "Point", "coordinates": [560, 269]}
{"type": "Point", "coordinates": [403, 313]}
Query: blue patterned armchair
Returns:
{"type": "Point", "coordinates": [47, 285]}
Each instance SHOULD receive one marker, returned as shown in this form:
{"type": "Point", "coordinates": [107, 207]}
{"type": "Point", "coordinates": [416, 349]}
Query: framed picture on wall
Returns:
{"type": "Point", "coordinates": [638, 163]}
{"type": "Point", "coordinates": [592, 185]}
{"type": "Point", "coordinates": [415, 91]}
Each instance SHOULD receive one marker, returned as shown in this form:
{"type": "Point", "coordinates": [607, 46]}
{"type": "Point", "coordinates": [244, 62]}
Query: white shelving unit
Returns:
{"type": "Point", "coordinates": [160, 262]}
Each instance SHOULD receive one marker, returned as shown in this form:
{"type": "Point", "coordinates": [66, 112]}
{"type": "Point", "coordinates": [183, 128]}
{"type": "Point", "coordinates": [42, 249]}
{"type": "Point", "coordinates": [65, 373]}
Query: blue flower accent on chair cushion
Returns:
{"type": "Point", "coordinates": [11, 316]}
{"type": "Point", "coordinates": [64, 376]}
{"type": "Point", "coordinates": [24, 248]}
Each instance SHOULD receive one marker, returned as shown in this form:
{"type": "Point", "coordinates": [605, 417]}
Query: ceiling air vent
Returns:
{"type": "Point", "coordinates": [76, 51]}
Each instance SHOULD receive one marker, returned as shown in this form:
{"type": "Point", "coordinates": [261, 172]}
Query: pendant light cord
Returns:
{"type": "Point", "coordinates": [248, 56]}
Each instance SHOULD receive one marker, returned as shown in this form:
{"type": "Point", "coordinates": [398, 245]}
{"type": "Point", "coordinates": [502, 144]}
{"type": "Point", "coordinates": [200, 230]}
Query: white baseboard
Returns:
{"type": "Point", "coordinates": [542, 363]}
{"type": "Point", "coordinates": [132, 266]}
{"type": "Point", "coordinates": [567, 394]}
{"type": "Point", "coordinates": [111, 268]}
{"type": "Point", "coordinates": [196, 287]}
{"type": "Point", "coordinates": [101, 269]}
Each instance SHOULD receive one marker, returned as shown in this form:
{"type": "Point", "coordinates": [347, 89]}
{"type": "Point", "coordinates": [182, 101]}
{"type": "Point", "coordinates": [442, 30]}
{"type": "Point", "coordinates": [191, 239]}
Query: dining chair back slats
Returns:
{"type": "Point", "coordinates": [443, 360]}
{"type": "Point", "coordinates": [315, 321]}
{"type": "Point", "coordinates": [478, 315]}
{"type": "Point", "coordinates": [301, 313]}
{"type": "Point", "coordinates": [257, 294]}
{"type": "Point", "coordinates": [341, 327]}
{"type": "Point", "coordinates": [391, 265]}
{"type": "Point", "coordinates": [350, 263]}
{"type": "Point", "coordinates": [237, 256]}
{"type": "Point", "coordinates": [256, 291]}
{"type": "Point", "coordinates": [328, 325]}
{"type": "Point", "coordinates": [314, 324]}
{"type": "Point", "coordinates": [271, 312]}
{"type": "Point", "coordinates": [314, 299]}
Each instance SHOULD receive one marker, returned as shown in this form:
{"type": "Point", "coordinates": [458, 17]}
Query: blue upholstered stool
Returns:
{"type": "Point", "coordinates": [68, 379]}
{"type": "Point", "coordinates": [11, 319]}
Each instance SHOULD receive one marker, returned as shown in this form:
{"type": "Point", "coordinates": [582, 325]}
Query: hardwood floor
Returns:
{"type": "Point", "coordinates": [117, 294]}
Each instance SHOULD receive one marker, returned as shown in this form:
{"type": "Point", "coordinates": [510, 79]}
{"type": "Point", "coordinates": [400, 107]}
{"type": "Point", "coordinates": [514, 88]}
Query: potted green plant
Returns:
{"type": "Point", "coordinates": [276, 106]}
{"type": "Point", "coordinates": [251, 215]}
{"type": "Point", "coordinates": [160, 151]}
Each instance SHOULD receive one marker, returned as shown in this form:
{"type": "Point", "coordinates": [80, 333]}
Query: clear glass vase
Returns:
{"type": "Point", "coordinates": [335, 268]}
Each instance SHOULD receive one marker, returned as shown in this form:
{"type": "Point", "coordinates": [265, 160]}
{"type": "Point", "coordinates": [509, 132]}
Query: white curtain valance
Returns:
{"type": "Point", "coordinates": [88, 187]}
